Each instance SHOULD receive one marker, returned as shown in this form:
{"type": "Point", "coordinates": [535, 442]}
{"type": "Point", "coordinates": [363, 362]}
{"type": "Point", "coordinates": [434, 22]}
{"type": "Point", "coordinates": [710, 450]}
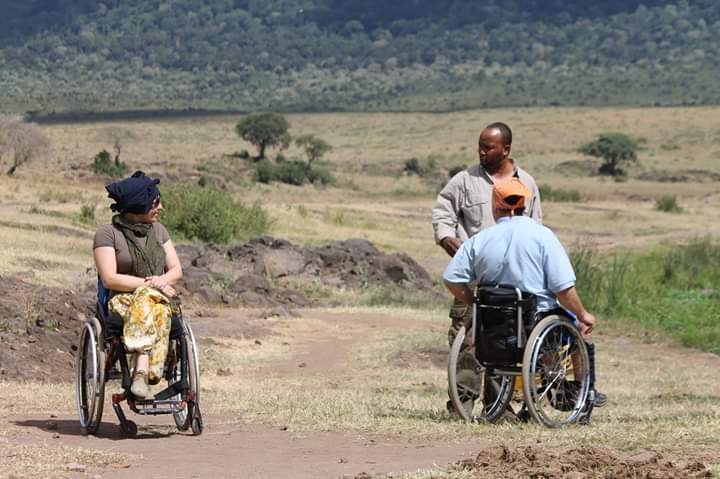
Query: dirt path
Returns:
{"type": "Point", "coordinates": [230, 449]}
{"type": "Point", "coordinates": [255, 451]}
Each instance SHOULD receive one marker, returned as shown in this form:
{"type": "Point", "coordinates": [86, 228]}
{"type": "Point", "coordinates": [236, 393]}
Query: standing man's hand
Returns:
{"type": "Point", "coordinates": [450, 245]}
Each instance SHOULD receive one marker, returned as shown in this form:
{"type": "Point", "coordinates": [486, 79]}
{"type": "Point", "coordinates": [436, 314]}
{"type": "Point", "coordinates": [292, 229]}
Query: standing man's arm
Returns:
{"type": "Point", "coordinates": [445, 216]}
{"type": "Point", "coordinates": [461, 291]}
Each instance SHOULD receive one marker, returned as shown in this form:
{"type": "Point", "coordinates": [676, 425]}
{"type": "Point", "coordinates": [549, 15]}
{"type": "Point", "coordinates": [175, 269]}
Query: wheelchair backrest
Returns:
{"type": "Point", "coordinates": [503, 319]}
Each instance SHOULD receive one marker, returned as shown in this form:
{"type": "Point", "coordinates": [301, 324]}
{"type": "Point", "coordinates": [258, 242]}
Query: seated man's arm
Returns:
{"type": "Point", "coordinates": [570, 299]}
{"type": "Point", "coordinates": [460, 291]}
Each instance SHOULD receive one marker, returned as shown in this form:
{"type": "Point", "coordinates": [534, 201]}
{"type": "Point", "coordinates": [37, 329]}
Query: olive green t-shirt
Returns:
{"type": "Point", "coordinates": [108, 235]}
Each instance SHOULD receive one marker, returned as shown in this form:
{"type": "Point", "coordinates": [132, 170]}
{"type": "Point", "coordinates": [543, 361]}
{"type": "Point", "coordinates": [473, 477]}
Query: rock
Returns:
{"type": "Point", "coordinates": [283, 262]}
{"type": "Point", "coordinates": [252, 282]}
{"type": "Point", "coordinates": [224, 372]}
{"type": "Point", "coordinates": [208, 294]}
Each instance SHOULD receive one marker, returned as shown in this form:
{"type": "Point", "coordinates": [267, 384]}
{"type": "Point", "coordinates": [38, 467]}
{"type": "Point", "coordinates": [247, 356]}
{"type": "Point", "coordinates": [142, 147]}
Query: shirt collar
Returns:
{"type": "Point", "coordinates": [487, 176]}
{"type": "Point", "coordinates": [503, 219]}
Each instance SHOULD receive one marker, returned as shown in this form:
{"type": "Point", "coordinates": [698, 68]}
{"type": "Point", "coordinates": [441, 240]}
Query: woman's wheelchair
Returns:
{"type": "Point", "coordinates": [509, 339]}
{"type": "Point", "coordinates": [101, 350]}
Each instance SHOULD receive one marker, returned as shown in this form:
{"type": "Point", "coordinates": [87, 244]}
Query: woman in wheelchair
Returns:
{"type": "Point", "coordinates": [520, 252]}
{"type": "Point", "coordinates": [138, 265]}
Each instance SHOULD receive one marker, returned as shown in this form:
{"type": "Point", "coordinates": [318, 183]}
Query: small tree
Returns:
{"type": "Point", "coordinates": [119, 137]}
{"type": "Point", "coordinates": [264, 130]}
{"type": "Point", "coordinates": [25, 140]}
{"type": "Point", "coordinates": [614, 149]}
{"type": "Point", "coordinates": [315, 148]}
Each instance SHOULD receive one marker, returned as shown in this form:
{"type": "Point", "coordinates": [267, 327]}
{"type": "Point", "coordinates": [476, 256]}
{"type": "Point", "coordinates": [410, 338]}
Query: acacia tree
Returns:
{"type": "Point", "coordinates": [614, 149]}
{"type": "Point", "coordinates": [23, 140]}
{"type": "Point", "coordinates": [264, 130]}
{"type": "Point", "coordinates": [314, 147]}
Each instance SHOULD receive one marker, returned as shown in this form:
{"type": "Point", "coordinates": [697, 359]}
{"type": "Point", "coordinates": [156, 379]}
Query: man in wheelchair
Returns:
{"type": "Point", "coordinates": [519, 251]}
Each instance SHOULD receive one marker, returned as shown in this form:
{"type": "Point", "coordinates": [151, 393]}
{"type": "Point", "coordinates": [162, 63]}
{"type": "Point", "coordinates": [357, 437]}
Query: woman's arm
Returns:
{"type": "Point", "coordinates": [106, 265]}
{"type": "Point", "coordinates": [173, 269]}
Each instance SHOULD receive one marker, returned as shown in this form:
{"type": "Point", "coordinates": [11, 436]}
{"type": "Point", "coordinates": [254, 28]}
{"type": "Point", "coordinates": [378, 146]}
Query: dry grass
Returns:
{"type": "Point", "coordinates": [371, 199]}
{"type": "Point", "coordinates": [31, 461]}
{"type": "Point", "coordinates": [664, 399]}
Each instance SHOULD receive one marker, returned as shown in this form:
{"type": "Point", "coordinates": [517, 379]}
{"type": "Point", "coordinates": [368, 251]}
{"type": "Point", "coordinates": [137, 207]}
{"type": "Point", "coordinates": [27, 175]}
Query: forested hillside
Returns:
{"type": "Point", "coordinates": [355, 54]}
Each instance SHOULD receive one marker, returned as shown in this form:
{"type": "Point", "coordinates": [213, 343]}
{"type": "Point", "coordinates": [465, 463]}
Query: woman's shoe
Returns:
{"type": "Point", "coordinates": [139, 386]}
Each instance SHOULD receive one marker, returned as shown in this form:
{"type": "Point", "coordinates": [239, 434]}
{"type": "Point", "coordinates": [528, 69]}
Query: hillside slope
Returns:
{"type": "Point", "coordinates": [356, 54]}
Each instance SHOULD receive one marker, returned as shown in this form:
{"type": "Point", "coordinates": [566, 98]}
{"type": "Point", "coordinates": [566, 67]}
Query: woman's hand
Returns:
{"type": "Point", "coordinates": [168, 291]}
{"type": "Point", "coordinates": [158, 282]}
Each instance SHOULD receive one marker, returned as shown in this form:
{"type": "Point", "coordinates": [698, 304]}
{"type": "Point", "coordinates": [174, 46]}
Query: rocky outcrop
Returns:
{"type": "Point", "coordinates": [249, 274]}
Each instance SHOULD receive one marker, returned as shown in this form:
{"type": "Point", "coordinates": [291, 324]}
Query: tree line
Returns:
{"type": "Point", "coordinates": [352, 54]}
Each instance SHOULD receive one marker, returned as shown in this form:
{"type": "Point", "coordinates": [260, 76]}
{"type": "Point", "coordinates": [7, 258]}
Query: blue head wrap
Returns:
{"type": "Point", "coordinates": [135, 194]}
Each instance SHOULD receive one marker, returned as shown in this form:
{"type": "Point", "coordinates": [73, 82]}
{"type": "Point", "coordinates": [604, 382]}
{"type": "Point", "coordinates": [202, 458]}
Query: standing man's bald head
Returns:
{"type": "Point", "coordinates": [494, 149]}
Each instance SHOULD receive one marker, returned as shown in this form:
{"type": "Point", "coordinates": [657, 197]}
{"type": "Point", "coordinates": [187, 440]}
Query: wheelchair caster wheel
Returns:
{"type": "Point", "coordinates": [197, 423]}
{"type": "Point", "coordinates": [129, 429]}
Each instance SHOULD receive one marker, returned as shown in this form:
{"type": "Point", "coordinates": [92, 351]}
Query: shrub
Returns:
{"type": "Point", "coordinates": [87, 214]}
{"type": "Point", "coordinates": [104, 165]}
{"type": "Point", "coordinates": [319, 174]}
{"type": "Point", "coordinates": [292, 172]}
{"type": "Point", "coordinates": [548, 193]}
{"type": "Point", "coordinates": [211, 215]}
{"type": "Point", "coordinates": [668, 204]}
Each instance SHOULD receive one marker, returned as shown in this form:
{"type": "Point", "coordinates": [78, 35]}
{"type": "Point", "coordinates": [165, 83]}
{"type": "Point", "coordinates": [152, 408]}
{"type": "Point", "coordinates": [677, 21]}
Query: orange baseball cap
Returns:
{"type": "Point", "coordinates": [505, 189]}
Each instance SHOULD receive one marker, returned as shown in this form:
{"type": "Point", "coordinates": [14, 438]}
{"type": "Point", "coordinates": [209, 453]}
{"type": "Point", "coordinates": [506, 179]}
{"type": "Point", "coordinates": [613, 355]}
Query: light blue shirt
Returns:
{"type": "Point", "coordinates": [517, 251]}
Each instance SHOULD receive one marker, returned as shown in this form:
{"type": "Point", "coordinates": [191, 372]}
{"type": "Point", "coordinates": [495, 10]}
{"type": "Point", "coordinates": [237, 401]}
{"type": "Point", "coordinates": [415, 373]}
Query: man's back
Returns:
{"type": "Point", "coordinates": [516, 251]}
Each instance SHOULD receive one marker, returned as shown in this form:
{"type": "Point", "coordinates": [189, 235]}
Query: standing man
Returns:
{"type": "Point", "coordinates": [464, 206]}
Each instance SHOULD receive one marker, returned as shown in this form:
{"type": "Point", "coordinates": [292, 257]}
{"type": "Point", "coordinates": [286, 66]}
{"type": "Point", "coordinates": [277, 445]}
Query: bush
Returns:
{"type": "Point", "coordinates": [211, 215]}
{"type": "Point", "coordinates": [668, 204]}
{"type": "Point", "coordinates": [548, 193]}
{"type": "Point", "coordinates": [87, 214]}
{"type": "Point", "coordinates": [104, 165]}
{"type": "Point", "coordinates": [319, 175]}
{"type": "Point", "coordinates": [292, 172]}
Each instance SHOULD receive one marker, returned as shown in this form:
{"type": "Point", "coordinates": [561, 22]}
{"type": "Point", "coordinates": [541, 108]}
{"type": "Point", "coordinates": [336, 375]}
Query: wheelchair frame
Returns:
{"type": "Point", "coordinates": [98, 353]}
{"type": "Point", "coordinates": [547, 394]}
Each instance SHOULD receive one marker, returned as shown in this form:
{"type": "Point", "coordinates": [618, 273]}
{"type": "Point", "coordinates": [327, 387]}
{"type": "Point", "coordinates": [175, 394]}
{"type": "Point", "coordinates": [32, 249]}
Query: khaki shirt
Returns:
{"type": "Point", "coordinates": [464, 206]}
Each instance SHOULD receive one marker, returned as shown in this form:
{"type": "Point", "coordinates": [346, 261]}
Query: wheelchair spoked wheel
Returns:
{"type": "Point", "coordinates": [475, 395]}
{"type": "Point", "coordinates": [555, 372]}
{"type": "Point", "coordinates": [90, 377]}
{"type": "Point", "coordinates": [190, 416]}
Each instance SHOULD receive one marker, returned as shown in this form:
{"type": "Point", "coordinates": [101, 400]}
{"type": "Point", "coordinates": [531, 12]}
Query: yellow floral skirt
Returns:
{"type": "Point", "coordinates": [147, 315]}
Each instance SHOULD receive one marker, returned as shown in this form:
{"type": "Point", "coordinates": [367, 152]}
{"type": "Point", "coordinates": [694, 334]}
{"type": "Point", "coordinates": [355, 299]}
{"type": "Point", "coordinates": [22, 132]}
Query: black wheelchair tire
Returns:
{"type": "Point", "coordinates": [504, 386]}
{"type": "Point", "coordinates": [538, 344]}
{"type": "Point", "coordinates": [90, 368]}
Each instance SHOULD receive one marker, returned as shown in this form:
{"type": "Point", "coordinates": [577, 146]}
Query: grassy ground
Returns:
{"type": "Point", "coordinates": [658, 394]}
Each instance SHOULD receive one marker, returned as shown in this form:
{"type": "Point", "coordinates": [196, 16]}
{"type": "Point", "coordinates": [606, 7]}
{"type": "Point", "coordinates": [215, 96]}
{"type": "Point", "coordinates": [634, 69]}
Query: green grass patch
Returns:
{"type": "Point", "coordinates": [548, 193]}
{"type": "Point", "coordinates": [668, 204]}
{"type": "Point", "coordinates": [670, 289]}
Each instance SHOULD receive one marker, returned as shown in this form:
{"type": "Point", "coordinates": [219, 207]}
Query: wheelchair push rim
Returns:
{"type": "Point", "coordinates": [191, 412]}
{"type": "Point", "coordinates": [555, 372]}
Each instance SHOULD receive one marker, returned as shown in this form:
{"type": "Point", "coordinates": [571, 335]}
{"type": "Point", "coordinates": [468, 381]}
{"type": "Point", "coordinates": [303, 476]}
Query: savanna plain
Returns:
{"type": "Point", "coordinates": [358, 389]}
